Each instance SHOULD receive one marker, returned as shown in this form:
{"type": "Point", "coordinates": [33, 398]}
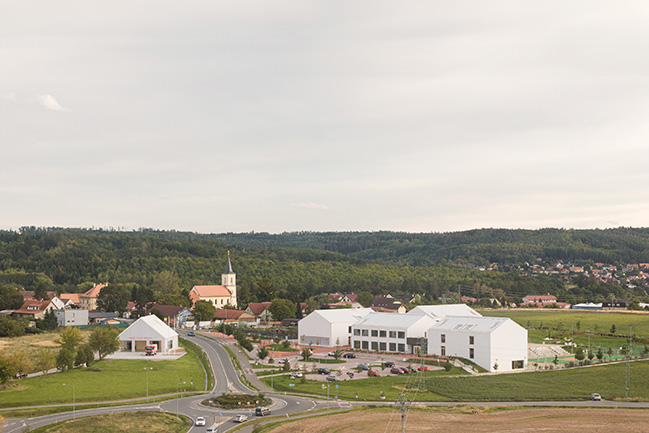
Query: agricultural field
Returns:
{"type": "Point", "coordinates": [472, 419]}
{"type": "Point", "coordinates": [130, 422]}
{"type": "Point", "coordinates": [106, 380]}
{"type": "Point", "coordinates": [555, 385]}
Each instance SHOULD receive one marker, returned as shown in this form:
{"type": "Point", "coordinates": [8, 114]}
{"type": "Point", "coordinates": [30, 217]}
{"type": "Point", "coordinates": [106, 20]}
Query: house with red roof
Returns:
{"type": "Point", "coordinates": [218, 295]}
{"type": "Point", "coordinates": [88, 300]}
{"type": "Point", "coordinates": [34, 308]}
{"type": "Point", "coordinates": [260, 311]}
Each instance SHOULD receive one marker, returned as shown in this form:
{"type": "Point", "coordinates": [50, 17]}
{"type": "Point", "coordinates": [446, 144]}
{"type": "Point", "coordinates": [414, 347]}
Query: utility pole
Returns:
{"type": "Point", "coordinates": [402, 408]}
{"type": "Point", "coordinates": [627, 388]}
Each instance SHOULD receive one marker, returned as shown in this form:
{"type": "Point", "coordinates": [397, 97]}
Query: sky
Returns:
{"type": "Point", "coordinates": [236, 116]}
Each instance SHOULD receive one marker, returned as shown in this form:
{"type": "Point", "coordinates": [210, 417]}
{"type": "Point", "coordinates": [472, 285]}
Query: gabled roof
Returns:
{"type": "Point", "coordinates": [439, 311]}
{"type": "Point", "coordinates": [33, 306]}
{"type": "Point", "coordinates": [387, 302]}
{"type": "Point", "coordinates": [94, 292]}
{"type": "Point", "coordinates": [30, 294]}
{"type": "Point", "coordinates": [227, 314]}
{"type": "Point", "coordinates": [210, 291]}
{"type": "Point", "coordinates": [167, 310]}
{"type": "Point", "coordinates": [144, 325]}
{"type": "Point", "coordinates": [342, 314]}
{"type": "Point", "coordinates": [470, 324]}
{"type": "Point", "coordinates": [258, 307]}
{"type": "Point", "coordinates": [74, 297]}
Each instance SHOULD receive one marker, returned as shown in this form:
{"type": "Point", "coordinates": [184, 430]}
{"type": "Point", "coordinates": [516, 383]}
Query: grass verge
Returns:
{"type": "Point", "coordinates": [130, 422]}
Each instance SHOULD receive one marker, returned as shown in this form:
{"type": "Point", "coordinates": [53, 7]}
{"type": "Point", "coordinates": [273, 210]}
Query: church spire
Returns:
{"type": "Point", "coordinates": [228, 267]}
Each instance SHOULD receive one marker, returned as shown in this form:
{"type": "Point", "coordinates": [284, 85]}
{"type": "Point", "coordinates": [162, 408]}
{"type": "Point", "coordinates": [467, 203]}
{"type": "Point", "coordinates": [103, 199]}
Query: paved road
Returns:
{"type": "Point", "coordinates": [227, 380]}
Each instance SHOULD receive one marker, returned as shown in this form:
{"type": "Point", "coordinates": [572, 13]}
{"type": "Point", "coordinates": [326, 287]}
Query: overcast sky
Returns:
{"type": "Point", "coordinates": [216, 116]}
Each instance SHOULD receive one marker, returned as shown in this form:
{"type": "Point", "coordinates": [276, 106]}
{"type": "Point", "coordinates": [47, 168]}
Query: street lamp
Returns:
{"type": "Point", "coordinates": [74, 413]}
{"type": "Point", "coordinates": [147, 382]}
{"type": "Point", "coordinates": [177, 388]}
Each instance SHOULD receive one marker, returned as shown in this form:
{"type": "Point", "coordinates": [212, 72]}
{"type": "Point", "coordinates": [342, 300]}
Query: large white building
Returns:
{"type": "Point", "coordinates": [390, 332]}
{"type": "Point", "coordinates": [329, 328]}
{"type": "Point", "coordinates": [147, 331]}
{"type": "Point", "coordinates": [438, 312]}
{"type": "Point", "coordinates": [494, 343]}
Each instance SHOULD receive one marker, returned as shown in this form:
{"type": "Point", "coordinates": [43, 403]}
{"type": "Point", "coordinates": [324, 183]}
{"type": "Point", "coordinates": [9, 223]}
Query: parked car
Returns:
{"type": "Point", "coordinates": [151, 350]}
{"type": "Point", "coordinates": [295, 375]}
{"type": "Point", "coordinates": [333, 378]}
{"type": "Point", "coordinates": [373, 373]}
{"type": "Point", "coordinates": [283, 361]}
{"type": "Point", "coordinates": [200, 421]}
{"type": "Point", "coordinates": [20, 376]}
{"type": "Point", "coordinates": [388, 364]}
{"type": "Point", "coordinates": [405, 370]}
{"type": "Point", "coordinates": [424, 368]}
{"type": "Point", "coordinates": [323, 370]}
{"type": "Point", "coordinates": [595, 397]}
{"type": "Point", "coordinates": [210, 430]}
{"type": "Point", "coordinates": [191, 334]}
{"type": "Point", "coordinates": [396, 370]}
{"type": "Point", "coordinates": [349, 355]}
{"type": "Point", "coordinates": [331, 354]}
{"type": "Point", "coordinates": [240, 418]}
{"type": "Point", "coordinates": [364, 367]}
{"type": "Point", "coordinates": [262, 411]}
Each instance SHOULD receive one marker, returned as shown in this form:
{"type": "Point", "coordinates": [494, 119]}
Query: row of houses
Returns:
{"type": "Point", "coordinates": [453, 330]}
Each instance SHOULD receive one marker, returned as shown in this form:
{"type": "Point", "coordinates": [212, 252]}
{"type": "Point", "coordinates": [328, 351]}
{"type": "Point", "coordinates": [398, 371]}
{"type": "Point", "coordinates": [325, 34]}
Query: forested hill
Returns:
{"type": "Point", "coordinates": [474, 247]}
{"type": "Point", "coordinates": [298, 265]}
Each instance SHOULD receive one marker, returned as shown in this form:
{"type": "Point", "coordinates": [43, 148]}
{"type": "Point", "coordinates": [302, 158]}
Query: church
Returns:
{"type": "Point", "coordinates": [221, 295]}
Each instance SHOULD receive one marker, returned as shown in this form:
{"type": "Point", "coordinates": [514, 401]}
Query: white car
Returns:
{"type": "Point", "coordinates": [240, 418]}
{"type": "Point", "coordinates": [331, 354]}
{"type": "Point", "coordinates": [200, 421]}
{"type": "Point", "coordinates": [295, 375]}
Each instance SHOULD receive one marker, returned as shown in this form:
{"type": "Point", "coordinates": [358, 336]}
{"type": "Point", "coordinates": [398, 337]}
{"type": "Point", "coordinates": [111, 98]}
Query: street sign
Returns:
{"type": "Point", "coordinates": [336, 385]}
{"type": "Point", "coordinates": [291, 384]}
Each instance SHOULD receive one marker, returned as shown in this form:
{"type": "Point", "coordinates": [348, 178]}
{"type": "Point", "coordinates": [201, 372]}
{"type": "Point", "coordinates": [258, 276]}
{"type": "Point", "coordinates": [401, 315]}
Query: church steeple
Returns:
{"type": "Point", "coordinates": [229, 280]}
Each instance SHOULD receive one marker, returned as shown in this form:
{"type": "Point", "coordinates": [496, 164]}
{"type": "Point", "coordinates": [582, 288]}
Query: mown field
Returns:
{"type": "Point", "coordinates": [106, 380]}
{"type": "Point", "coordinates": [131, 422]}
{"type": "Point", "coordinates": [554, 385]}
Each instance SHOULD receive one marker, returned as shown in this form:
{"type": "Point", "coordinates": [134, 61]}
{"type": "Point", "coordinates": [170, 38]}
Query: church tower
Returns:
{"type": "Point", "coordinates": [229, 280]}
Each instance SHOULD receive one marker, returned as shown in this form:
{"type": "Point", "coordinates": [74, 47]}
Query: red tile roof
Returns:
{"type": "Point", "coordinates": [258, 307]}
{"type": "Point", "coordinates": [33, 306]}
{"type": "Point", "coordinates": [94, 292]}
{"type": "Point", "coordinates": [74, 297]}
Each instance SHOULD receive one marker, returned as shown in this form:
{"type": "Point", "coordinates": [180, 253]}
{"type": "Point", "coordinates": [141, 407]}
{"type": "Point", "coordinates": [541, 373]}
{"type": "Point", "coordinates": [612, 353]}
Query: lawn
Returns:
{"type": "Point", "coordinates": [557, 385]}
{"type": "Point", "coordinates": [131, 422]}
{"type": "Point", "coordinates": [105, 381]}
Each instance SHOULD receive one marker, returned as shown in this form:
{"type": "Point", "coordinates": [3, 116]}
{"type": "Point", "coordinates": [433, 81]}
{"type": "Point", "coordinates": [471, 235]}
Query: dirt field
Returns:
{"type": "Point", "coordinates": [476, 420]}
{"type": "Point", "coordinates": [31, 343]}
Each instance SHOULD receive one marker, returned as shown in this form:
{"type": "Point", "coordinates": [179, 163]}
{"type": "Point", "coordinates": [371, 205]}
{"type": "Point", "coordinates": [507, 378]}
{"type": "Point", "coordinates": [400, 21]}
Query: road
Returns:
{"type": "Point", "coordinates": [227, 380]}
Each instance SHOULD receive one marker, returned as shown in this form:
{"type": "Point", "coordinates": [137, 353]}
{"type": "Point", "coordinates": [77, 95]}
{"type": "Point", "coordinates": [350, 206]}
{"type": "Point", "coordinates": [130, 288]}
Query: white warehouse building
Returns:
{"type": "Point", "coordinates": [390, 332]}
{"type": "Point", "coordinates": [148, 330]}
{"type": "Point", "coordinates": [494, 343]}
{"type": "Point", "coordinates": [329, 328]}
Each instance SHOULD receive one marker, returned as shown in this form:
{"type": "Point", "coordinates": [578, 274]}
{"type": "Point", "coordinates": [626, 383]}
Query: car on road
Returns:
{"type": "Point", "coordinates": [388, 364]}
{"type": "Point", "coordinates": [210, 430]}
{"type": "Point", "coordinates": [331, 354]}
{"type": "Point", "coordinates": [240, 418]}
{"type": "Point", "coordinates": [349, 355]}
{"type": "Point", "coordinates": [322, 370]}
{"type": "Point", "coordinates": [262, 411]}
{"type": "Point", "coordinates": [191, 334]}
{"type": "Point", "coordinates": [295, 375]}
{"type": "Point", "coordinates": [20, 376]}
{"type": "Point", "coordinates": [595, 397]}
{"type": "Point", "coordinates": [200, 421]}
{"type": "Point", "coordinates": [364, 367]}
{"type": "Point", "coordinates": [396, 370]}
{"type": "Point", "coordinates": [373, 373]}
{"type": "Point", "coordinates": [333, 378]}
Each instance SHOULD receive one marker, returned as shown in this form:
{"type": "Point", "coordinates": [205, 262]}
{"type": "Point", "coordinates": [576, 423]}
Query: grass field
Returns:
{"type": "Point", "coordinates": [105, 381]}
{"type": "Point", "coordinates": [132, 422]}
{"type": "Point", "coordinates": [557, 385]}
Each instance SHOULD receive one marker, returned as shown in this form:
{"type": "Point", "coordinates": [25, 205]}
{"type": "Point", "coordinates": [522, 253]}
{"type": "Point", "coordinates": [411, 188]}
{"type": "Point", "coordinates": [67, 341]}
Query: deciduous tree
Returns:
{"type": "Point", "coordinates": [204, 311]}
{"type": "Point", "coordinates": [70, 338]}
{"type": "Point", "coordinates": [282, 309]}
{"type": "Point", "coordinates": [104, 341]}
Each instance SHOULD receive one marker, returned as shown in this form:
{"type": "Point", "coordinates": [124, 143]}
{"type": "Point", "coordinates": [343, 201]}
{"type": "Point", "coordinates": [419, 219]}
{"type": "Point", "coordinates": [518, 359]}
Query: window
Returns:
{"type": "Point", "coordinates": [517, 364]}
{"type": "Point", "coordinates": [443, 351]}
{"type": "Point", "coordinates": [382, 334]}
{"type": "Point", "coordinates": [393, 347]}
{"type": "Point", "coordinates": [364, 345]}
{"type": "Point", "coordinates": [375, 333]}
{"type": "Point", "coordinates": [349, 330]}
{"type": "Point", "coordinates": [402, 347]}
{"type": "Point", "coordinates": [382, 347]}
{"type": "Point", "coordinates": [402, 334]}
{"type": "Point", "coordinates": [374, 345]}
{"type": "Point", "coordinates": [471, 353]}
{"type": "Point", "coordinates": [471, 339]}
{"type": "Point", "coordinates": [393, 334]}
{"type": "Point", "coordinates": [357, 344]}
{"type": "Point", "coordinates": [443, 338]}
{"type": "Point", "coordinates": [357, 332]}
{"type": "Point", "coordinates": [364, 332]}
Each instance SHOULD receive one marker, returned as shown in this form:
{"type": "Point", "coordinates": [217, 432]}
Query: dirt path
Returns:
{"type": "Point", "coordinates": [476, 420]}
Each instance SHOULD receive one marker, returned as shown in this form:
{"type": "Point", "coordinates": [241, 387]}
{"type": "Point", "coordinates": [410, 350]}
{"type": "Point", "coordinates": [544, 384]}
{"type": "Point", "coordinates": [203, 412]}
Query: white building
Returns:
{"type": "Point", "coordinates": [494, 343]}
{"type": "Point", "coordinates": [438, 312]}
{"type": "Point", "coordinates": [329, 328]}
{"type": "Point", "coordinates": [71, 317]}
{"type": "Point", "coordinates": [391, 332]}
{"type": "Point", "coordinates": [146, 331]}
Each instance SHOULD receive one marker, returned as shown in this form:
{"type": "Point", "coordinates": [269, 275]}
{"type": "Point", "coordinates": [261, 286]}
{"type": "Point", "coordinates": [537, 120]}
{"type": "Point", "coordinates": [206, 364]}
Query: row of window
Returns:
{"type": "Point", "coordinates": [379, 333]}
{"type": "Point", "coordinates": [471, 339]}
{"type": "Point", "coordinates": [382, 346]}
{"type": "Point", "coordinates": [471, 352]}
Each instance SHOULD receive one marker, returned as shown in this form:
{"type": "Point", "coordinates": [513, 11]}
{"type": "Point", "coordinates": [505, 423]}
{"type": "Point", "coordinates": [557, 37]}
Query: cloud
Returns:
{"type": "Point", "coordinates": [50, 102]}
{"type": "Point", "coordinates": [10, 97]}
{"type": "Point", "coordinates": [310, 206]}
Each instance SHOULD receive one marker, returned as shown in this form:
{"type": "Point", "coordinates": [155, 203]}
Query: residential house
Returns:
{"type": "Point", "coordinates": [88, 300]}
{"type": "Point", "coordinates": [240, 317]}
{"type": "Point", "coordinates": [71, 317]}
{"type": "Point", "coordinates": [544, 299]}
{"type": "Point", "coordinates": [389, 303]}
{"type": "Point", "coordinates": [260, 311]}
{"type": "Point", "coordinates": [34, 308]}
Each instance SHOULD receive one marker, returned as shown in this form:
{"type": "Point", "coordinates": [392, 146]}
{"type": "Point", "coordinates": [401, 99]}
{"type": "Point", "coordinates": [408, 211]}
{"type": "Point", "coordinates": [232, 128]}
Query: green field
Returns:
{"type": "Point", "coordinates": [556, 385]}
{"type": "Point", "coordinates": [106, 380]}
